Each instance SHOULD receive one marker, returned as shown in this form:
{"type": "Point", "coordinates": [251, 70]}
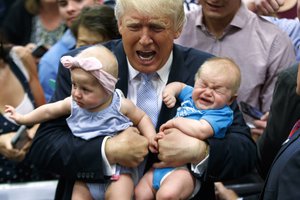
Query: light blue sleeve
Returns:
{"type": "Point", "coordinates": [219, 119]}
{"type": "Point", "coordinates": [292, 28]}
{"type": "Point", "coordinates": [49, 63]}
{"type": "Point", "coordinates": [186, 93]}
{"type": "Point", "coordinates": [48, 67]}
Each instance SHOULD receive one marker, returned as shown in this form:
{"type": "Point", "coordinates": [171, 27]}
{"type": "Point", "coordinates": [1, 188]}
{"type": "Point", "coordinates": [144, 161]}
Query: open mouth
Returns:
{"type": "Point", "coordinates": [205, 101]}
{"type": "Point", "coordinates": [146, 55]}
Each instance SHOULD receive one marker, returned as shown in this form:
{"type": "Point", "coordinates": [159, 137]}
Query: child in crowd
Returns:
{"type": "Point", "coordinates": [204, 113]}
{"type": "Point", "coordinates": [95, 109]}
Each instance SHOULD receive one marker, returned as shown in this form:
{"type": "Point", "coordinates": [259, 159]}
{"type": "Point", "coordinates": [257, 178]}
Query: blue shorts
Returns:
{"type": "Point", "coordinates": [159, 174]}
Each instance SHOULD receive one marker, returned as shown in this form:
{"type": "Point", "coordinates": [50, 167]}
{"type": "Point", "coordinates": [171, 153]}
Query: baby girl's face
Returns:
{"type": "Point", "coordinates": [87, 92]}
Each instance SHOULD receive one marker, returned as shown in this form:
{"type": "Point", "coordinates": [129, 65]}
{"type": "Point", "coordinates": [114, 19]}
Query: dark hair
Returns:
{"type": "Point", "coordinates": [4, 51]}
{"type": "Point", "coordinates": [33, 6]}
{"type": "Point", "coordinates": [98, 18]}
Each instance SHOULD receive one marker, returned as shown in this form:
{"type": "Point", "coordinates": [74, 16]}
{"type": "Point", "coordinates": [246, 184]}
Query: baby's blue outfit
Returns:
{"type": "Point", "coordinates": [219, 119]}
{"type": "Point", "coordinates": [107, 122]}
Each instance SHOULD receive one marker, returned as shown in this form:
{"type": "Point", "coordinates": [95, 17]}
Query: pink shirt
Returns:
{"type": "Point", "coordinates": [256, 45]}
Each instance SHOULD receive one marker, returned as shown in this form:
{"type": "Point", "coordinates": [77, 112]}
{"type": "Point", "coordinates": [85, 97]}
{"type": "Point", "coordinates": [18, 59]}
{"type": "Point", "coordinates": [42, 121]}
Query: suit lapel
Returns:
{"type": "Point", "coordinates": [180, 73]}
{"type": "Point", "coordinates": [118, 50]}
{"type": "Point", "coordinates": [286, 144]}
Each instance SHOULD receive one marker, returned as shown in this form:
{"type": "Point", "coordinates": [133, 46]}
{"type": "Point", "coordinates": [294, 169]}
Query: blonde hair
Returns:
{"type": "Point", "coordinates": [172, 9]}
{"type": "Point", "coordinates": [223, 66]}
{"type": "Point", "coordinates": [104, 55]}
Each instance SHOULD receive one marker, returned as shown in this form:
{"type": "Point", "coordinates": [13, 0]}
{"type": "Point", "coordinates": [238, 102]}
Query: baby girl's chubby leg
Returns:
{"type": "Point", "coordinates": [120, 189]}
{"type": "Point", "coordinates": [144, 189]}
{"type": "Point", "coordinates": [179, 184]}
{"type": "Point", "coordinates": [81, 191]}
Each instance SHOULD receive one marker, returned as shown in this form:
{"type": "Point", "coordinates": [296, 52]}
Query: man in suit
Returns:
{"type": "Point", "coordinates": [284, 113]}
{"type": "Point", "coordinates": [148, 29]}
{"type": "Point", "coordinates": [285, 107]}
{"type": "Point", "coordinates": [282, 181]}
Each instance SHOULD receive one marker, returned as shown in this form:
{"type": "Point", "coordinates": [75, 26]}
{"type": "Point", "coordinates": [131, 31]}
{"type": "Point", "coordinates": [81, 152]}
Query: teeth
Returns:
{"type": "Point", "coordinates": [145, 59]}
{"type": "Point", "coordinates": [146, 56]}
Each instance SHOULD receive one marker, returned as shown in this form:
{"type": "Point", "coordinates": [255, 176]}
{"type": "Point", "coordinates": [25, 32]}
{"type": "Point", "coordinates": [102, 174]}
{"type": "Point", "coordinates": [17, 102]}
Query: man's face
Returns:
{"type": "Point", "coordinates": [88, 37]}
{"type": "Point", "coordinates": [220, 9]}
{"type": "Point", "coordinates": [70, 9]}
{"type": "Point", "coordinates": [148, 41]}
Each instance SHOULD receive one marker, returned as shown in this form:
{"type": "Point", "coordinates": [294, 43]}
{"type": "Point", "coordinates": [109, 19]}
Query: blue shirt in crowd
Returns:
{"type": "Point", "coordinates": [49, 63]}
{"type": "Point", "coordinates": [292, 28]}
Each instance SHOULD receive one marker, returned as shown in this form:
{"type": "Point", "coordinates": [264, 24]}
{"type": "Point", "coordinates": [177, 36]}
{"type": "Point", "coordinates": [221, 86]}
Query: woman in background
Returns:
{"type": "Point", "coordinates": [22, 89]}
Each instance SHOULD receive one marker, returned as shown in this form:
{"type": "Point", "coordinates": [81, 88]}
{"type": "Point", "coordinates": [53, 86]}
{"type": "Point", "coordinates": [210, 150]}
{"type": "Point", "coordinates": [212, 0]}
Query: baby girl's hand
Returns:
{"type": "Point", "coordinates": [13, 114]}
{"type": "Point", "coordinates": [153, 145]}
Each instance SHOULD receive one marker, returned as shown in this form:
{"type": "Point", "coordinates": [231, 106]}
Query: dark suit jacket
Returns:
{"type": "Point", "coordinates": [283, 179]}
{"type": "Point", "coordinates": [56, 149]}
{"type": "Point", "coordinates": [284, 112]}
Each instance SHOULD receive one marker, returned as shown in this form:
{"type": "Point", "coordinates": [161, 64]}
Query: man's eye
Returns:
{"type": "Point", "coordinates": [157, 28]}
{"type": "Point", "coordinates": [133, 27]}
{"type": "Point", "coordinates": [62, 3]}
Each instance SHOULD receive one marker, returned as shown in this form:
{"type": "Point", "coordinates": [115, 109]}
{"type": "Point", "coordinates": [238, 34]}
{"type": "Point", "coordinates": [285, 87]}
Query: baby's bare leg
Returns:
{"type": "Point", "coordinates": [120, 189]}
{"type": "Point", "coordinates": [179, 184]}
{"type": "Point", "coordinates": [81, 191]}
{"type": "Point", "coordinates": [144, 190]}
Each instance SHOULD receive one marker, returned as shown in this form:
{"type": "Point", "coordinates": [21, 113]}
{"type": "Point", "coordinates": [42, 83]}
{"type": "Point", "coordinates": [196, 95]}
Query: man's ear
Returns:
{"type": "Point", "coordinates": [177, 34]}
{"type": "Point", "coordinates": [120, 26]}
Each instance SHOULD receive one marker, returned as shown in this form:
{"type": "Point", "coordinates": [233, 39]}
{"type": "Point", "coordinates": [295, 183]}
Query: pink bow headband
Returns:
{"type": "Point", "coordinates": [94, 66]}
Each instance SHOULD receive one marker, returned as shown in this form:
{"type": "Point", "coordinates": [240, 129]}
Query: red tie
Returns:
{"type": "Point", "coordinates": [295, 128]}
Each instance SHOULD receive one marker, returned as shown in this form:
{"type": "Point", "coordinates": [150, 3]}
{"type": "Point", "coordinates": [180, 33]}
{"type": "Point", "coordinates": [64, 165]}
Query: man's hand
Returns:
{"type": "Point", "coordinates": [260, 126]}
{"type": "Point", "coordinates": [264, 7]}
{"type": "Point", "coordinates": [222, 193]}
{"type": "Point", "coordinates": [127, 148]}
{"type": "Point", "coordinates": [177, 149]}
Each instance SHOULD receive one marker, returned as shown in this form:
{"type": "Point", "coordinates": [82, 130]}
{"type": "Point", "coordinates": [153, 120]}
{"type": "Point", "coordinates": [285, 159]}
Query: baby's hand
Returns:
{"type": "Point", "coordinates": [10, 109]}
{"type": "Point", "coordinates": [153, 142]}
{"type": "Point", "coordinates": [168, 99]}
{"type": "Point", "coordinates": [13, 114]}
{"type": "Point", "coordinates": [167, 125]}
{"type": "Point", "coordinates": [153, 145]}
{"type": "Point", "coordinates": [159, 136]}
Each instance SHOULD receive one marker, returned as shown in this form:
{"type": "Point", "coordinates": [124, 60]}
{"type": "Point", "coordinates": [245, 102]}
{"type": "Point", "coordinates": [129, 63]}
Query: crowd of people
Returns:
{"type": "Point", "coordinates": [131, 99]}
